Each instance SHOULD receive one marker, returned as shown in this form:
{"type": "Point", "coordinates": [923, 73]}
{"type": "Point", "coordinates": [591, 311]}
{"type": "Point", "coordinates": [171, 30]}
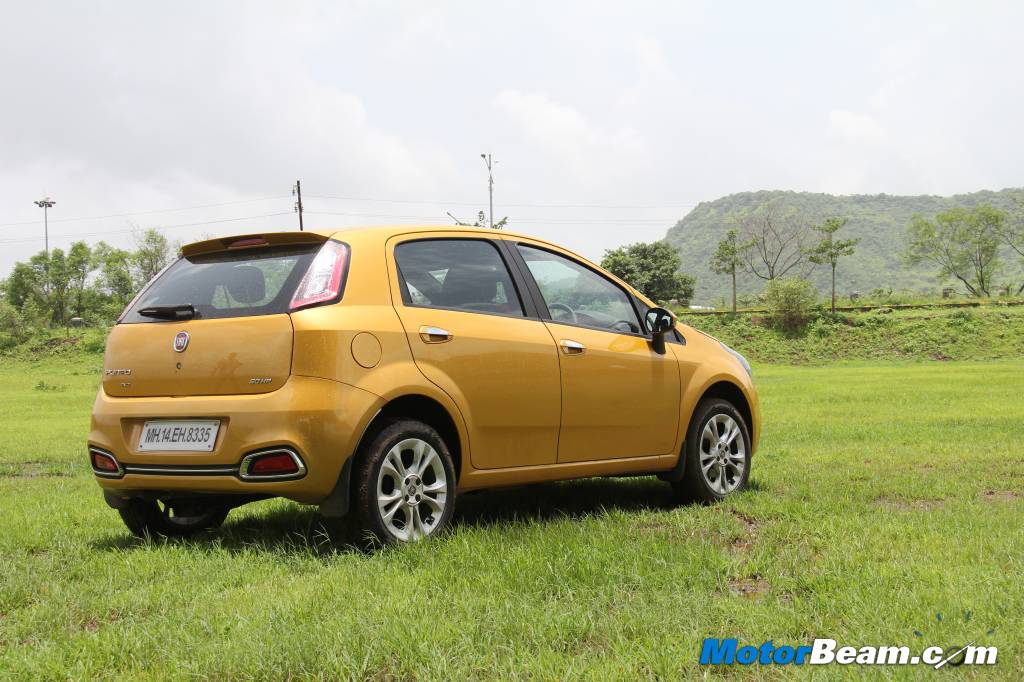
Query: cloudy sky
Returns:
{"type": "Point", "coordinates": [610, 120]}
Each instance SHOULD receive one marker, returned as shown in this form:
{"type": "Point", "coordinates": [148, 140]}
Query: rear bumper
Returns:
{"type": "Point", "coordinates": [320, 420]}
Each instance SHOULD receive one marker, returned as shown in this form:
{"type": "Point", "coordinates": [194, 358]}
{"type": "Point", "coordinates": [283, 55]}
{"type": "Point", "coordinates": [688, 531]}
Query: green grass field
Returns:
{"type": "Point", "coordinates": [882, 495]}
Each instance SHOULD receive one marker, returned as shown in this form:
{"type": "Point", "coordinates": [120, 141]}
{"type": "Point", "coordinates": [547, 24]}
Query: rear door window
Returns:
{"type": "Point", "coordinates": [245, 283]}
{"type": "Point", "coordinates": [460, 274]}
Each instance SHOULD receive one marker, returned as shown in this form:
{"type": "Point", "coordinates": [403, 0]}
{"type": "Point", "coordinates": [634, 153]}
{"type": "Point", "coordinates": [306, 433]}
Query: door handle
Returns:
{"type": "Point", "coordinates": [570, 347]}
{"type": "Point", "coordinates": [434, 334]}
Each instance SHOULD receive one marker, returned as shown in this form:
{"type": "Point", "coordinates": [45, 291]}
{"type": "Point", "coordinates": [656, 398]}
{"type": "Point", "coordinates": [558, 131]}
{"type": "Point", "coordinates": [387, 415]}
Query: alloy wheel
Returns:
{"type": "Point", "coordinates": [723, 454]}
{"type": "Point", "coordinates": [412, 490]}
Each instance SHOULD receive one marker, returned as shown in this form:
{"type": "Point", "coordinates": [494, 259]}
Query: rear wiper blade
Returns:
{"type": "Point", "coordinates": [185, 311]}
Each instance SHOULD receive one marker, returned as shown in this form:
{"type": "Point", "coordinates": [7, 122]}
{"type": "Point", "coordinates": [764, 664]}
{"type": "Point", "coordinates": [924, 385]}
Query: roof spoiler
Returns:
{"type": "Point", "coordinates": [249, 241]}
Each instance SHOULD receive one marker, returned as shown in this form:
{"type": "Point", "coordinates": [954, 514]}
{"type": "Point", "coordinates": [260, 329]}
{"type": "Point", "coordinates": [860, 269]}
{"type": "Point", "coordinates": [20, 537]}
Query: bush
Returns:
{"type": "Point", "coordinates": [791, 301]}
{"type": "Point", "coordinates": [12, 324]}
{"type": "Point", "coordinates": [962, 319]}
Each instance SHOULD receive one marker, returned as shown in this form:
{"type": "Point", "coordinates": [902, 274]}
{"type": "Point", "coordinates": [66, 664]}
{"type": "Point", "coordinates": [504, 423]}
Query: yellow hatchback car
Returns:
{"type": "Point", "coordinates": [381, 371]}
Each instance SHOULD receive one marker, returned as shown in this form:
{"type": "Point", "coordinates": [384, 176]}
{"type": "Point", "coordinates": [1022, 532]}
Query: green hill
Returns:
{"type": "Point", "coordinates": [879, 220]}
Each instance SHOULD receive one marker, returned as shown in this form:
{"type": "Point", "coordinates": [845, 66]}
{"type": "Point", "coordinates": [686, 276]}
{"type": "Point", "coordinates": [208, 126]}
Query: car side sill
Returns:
{"type": "Point", "coordinates": [488, 478]}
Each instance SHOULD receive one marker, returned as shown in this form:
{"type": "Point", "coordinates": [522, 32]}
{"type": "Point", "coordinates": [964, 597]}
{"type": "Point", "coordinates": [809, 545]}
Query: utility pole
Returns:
{"type": "Point", "coordinates": [297, 192]}
{"type": "Point", "coordinates": [46, 204]}
{"type": "Point", "coordinates": [490, 185]}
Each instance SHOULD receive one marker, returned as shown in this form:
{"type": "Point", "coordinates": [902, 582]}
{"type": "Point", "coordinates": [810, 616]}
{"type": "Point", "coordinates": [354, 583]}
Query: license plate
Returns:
{"type": "Point", "coordinates": [194, 435]}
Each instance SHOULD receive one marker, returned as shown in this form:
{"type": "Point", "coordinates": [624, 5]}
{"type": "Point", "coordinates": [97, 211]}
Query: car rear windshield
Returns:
{"type": "Point", "coordinates": [259, 281]}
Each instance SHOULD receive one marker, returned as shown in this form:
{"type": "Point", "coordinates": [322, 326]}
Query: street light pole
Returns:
{"type": "Point", "coordinates": [46, 204]}
{"type": "Point", "coordinates": [490, 185]}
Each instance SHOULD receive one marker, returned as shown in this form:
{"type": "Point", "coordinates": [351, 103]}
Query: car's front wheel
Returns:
{"type": "Point", "coordinates": [157, 518]}
{"type": "Point", "coordinates": [404, 484]}
{"type": "Point", "coordinates": [717, 452]}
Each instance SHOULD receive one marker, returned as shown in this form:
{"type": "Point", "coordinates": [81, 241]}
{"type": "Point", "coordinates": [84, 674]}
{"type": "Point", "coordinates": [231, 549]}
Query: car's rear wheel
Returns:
{"type": "Point", "coordinates": [156, 518]}
{"type": "Point", "coordinates": [405, 484]}
{"type": "Point", "coordinates": [717, 452]}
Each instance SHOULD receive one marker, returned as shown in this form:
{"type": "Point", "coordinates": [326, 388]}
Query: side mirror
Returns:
{"type": "Point", "coordinates": [659, 323]}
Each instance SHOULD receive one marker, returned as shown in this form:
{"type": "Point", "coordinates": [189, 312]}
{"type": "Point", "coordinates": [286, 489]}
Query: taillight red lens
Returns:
{"type": "Point", "coordinates": [325, 277]}
{"type": "Point", "coordinates": [102, 462]}
{"type": "Point", "coordinates": [273, 464]}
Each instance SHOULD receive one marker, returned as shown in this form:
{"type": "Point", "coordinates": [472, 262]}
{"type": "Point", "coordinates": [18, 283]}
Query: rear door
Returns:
{"type": "Point", "coordinates": [239, 339]}
{"type": "Point", "coordinates": [472, 334]}
{"type": "Point", "coordinates": [619, 398]}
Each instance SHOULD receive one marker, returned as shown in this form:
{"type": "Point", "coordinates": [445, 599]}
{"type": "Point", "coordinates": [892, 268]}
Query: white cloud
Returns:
{"type": "Point", "coordinates": [851, 126]}
{"type": "Point", "coordinates": [123, 107]}
{"type": "Point", "coordinates": [572, 146]}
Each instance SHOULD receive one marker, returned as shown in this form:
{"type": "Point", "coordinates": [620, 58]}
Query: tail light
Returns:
{"type": "Point", "coordinates": [324, 281]}
{"type": "Point", "coordinates": [247, 242]}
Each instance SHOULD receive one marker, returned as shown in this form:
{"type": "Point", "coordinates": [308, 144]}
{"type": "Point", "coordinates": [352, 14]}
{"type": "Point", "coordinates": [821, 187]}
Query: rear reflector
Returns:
{"type": "Point", "coordinates": [276, 464]}
{"type": "Point", "coordinates": [325, 278]}
{"type": "Point", "coordinates": [104, 464]}
{"type": "Point", "coordinates": [273, 464]}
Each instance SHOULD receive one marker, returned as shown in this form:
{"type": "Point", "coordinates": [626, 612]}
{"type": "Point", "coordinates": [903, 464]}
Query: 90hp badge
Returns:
{"type": "Point", "coordinates": [180, 342]}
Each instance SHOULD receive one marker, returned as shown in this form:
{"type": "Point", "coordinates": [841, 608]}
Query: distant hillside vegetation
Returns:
{"type": "Point", "coordinates": [879, 220]}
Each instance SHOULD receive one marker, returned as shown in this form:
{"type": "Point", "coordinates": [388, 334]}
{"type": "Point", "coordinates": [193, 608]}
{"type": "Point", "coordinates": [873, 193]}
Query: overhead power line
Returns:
{"type": "Point", "coordinates": [514, 205]}
{"type": "Point", "coordinates": [150, 212]}
{"type": "Point", "coordinates": [553, 221]}
{"type": "Point", "coordinates": [133, 229]}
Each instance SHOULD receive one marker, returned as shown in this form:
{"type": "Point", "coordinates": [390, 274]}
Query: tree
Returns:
{"type": "Point", "coordinates": [1012, 233]}
{"type": "Point", "coordinates": [23, 285]}
{"type": "Point", "coordinates": [829, 250]}
{"type": "Point", "coordinates": [52, 287]}
{"type": "Point", "coordinates": [115, 279]}
{"type": "Point", "coordinates": [652, 268]}
{"type": "Point", "coordinates": [481, 221]}
{"type": "Point", "coordinates": [773, 242]}
{"type": "Point", "coordinates": [962, 242]}
{"type": "Point", "coordinates": [727, 258]}
{"type": "Point", "coordinates": [80, 264]}
{"type": "Point", "coordinates": [153, 252]}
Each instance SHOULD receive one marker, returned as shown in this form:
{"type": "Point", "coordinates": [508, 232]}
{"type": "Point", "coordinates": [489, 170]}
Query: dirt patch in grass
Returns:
{"type": "Point", "coordinates": [93, 623]}
{"type": "Point", "coordinates": [30, 469]}
{"type": "Point", "coordinates": [745, 540]}
{"type": "Point", "coordinates": [753, 587]}
{"type": "Point", "coordinates": [890, 503]}
{"type": "Point", "coordinates": [1001, 496]}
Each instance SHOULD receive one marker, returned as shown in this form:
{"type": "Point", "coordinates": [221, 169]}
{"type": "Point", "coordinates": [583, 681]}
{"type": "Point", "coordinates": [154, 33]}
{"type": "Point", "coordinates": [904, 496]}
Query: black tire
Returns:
{"type": "Point", "coordinates": [427, 520]}
{"type": "Point", "coordinates": [695, 486]}
{"type": "Point", "coordinates": [148, 518]}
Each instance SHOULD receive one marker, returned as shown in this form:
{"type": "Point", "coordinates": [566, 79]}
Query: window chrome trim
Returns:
{"type": "Point", "coordinates": [157, 470]}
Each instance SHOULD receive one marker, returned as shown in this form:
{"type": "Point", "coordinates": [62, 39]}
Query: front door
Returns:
{"type": "Point", "coordinates": [470, 335]}
{"type": "Point", "coordinates": [619, 397]}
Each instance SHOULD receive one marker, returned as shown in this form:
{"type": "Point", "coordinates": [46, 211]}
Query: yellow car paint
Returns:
{"type": "Point", "coordinates": [523, 409]}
